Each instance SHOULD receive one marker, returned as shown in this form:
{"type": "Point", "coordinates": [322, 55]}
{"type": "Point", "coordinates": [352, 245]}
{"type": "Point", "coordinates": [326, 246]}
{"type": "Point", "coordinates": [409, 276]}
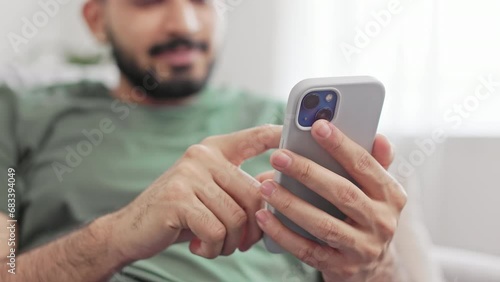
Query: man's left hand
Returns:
{"type": "Point", "coordinates": [357, 246]}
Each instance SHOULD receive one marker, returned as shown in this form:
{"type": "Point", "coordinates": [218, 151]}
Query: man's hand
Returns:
{"type": "Point", "coordinates": [205, 198]}
{"type": "Point", "coordinates": [356, 247]}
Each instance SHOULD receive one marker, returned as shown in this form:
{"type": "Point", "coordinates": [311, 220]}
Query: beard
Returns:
{"type": "Point", "coordinates": [153, 82]}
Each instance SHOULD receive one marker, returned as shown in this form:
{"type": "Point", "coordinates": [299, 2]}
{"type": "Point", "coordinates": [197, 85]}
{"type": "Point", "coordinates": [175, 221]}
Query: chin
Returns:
{"type": "Point", "coordinates": [176, 89]}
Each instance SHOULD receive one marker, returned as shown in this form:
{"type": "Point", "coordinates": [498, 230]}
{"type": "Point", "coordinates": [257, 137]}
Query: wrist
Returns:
{"type": "Point", "coordinates": [102, 229]}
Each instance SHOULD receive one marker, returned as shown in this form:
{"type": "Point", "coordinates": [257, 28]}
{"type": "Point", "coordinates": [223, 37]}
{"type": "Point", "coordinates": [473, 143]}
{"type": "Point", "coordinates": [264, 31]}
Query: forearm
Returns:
{"type": "Point", "coordinates": [84, 255]}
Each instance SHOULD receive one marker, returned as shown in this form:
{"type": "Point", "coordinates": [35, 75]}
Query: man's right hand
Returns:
{"type": "Point", "coordinates": [204, 197]}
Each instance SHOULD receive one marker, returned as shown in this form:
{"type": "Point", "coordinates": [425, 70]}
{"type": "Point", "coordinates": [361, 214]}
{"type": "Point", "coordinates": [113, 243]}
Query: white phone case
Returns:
{"type": "Point", "coordinates": [357, 114]}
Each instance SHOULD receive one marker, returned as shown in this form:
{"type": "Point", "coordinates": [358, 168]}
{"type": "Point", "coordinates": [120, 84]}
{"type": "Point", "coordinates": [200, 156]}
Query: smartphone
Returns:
{"type": "Point", "coordinates": [353, 105]}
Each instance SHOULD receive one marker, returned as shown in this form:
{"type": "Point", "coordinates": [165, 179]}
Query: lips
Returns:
{"type": "Point", "coordinates": [179, 57]}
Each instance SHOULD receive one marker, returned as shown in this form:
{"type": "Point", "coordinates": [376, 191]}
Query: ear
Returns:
{"type": "Point", "coordinates": [93, 13]}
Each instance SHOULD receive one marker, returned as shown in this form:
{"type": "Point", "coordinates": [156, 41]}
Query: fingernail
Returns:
{"type": "Point", "coordinates": [324, 130]}
{"type": "Point", "coordinates": [261, 216]}
{"type": "Point", "coordinates": [267, 188]}
{"type": "Point", "coordinates": [244, 248]}
{"type": "Point", "coordinates": [281, 160]}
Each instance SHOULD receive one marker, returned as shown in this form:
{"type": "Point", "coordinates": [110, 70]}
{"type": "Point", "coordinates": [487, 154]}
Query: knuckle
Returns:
{"type": "Point", "coordinates": [305, 172]}
{"type": "Point", "coordinates": [363, 163]}
{"type": "Point", "coordinates": [401, 201]}
{"type": "Point", "coordinates": [285, 203]}
{"type": "Point", "coordinates": [348, 195]}
{"type": "Point", "coordinates": [223, 175]}
{"type": "Point", "coordinates": [337, 143]}
{"type": "Point", "coordinates": [367, 210]}
{"type": "Point", "coordinates": [306, 254]}
{"type": "Point", "coordinates": [400, 197]}
{"type": "Point", "coordinates": [247, 149]}
{"type": "Point", "coordinates": [276, 233]}
{"type": "Point", "coordinates": [200, 216]}
{"type": "Point", "coordinates": [371, 253]}
{"type": "Point", "coordinates": [266, 133]}
{"type": "Point", "coordinates": [218, 233]}
{"type": "Point", "coordinates": [196, 151]}
{"type": "Point", "coordinates": [239, 218]}
{"type": "Point", "coordinates": [217, 195]}
{"type": "Point", "coordinates": [328, 231]}
{"type": "Point", "coordinates": [332, 234]}
{"type": "Point", "coordinates": [386, 227]}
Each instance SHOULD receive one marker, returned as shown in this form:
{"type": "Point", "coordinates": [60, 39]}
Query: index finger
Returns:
{"type": "Point", "coordinates": [358, 162]}
{"type": "Point", "coordinates": [248, 143]}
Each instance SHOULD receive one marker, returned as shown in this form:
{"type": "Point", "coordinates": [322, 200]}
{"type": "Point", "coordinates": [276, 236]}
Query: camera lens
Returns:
{"type": "Point", "coordinates": [311, 101]}
{"type": "Point", "coordinates": [325, 113]}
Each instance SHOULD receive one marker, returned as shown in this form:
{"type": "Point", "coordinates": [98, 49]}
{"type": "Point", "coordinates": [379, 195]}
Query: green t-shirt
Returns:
{"type": "Point", "coordinates": [79, 153]}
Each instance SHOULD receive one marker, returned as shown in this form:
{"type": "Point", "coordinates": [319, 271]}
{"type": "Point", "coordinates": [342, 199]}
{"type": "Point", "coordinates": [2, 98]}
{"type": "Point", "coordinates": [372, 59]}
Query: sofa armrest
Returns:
{"type": "Point", "coordinates": [460, 265]}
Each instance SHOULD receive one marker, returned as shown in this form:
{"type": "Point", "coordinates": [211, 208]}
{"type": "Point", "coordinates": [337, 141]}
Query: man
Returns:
{"type": "Point", "coordinates": [85, 159]}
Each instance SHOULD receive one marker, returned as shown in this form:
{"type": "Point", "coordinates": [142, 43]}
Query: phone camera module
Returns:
{"type": "Point", "coordinates": [315, 105]}
{"type": "Point", "coordinates": [311, 101]}
{"type": "Point", "coordinates": [325, 113]}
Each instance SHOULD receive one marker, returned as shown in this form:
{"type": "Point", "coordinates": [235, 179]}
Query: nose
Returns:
{"type": "Point", "coordinates": [181, 18]}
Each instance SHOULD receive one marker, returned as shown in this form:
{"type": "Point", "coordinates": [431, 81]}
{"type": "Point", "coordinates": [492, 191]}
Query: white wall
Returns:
{"type": "Point", "coordinates": [461, 194]}
{"type": "Point", "coordinates": [248, 58]}
{"type": "Point", "coordinates": [459, 191]}
{"type": "Point", "coordinates": [62, 32]}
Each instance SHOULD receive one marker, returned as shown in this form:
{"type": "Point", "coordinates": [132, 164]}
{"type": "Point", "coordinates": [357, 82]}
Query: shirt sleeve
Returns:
{"type": "Point", "coordinates": [8, 153]}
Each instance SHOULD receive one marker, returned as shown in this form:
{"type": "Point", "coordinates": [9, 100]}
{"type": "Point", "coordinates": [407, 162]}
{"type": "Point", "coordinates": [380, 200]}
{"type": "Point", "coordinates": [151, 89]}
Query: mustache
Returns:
{"type": "Point", "coordinates": [174, 43]}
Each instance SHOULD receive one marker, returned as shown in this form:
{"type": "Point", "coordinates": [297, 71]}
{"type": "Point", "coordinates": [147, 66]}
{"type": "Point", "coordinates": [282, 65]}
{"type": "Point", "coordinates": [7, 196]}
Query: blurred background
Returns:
{"type": "Point", "coordinates": [439, 61]}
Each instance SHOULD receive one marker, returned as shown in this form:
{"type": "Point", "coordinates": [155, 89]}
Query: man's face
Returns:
{"type": "Point", "coordinates": [167, 47]}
